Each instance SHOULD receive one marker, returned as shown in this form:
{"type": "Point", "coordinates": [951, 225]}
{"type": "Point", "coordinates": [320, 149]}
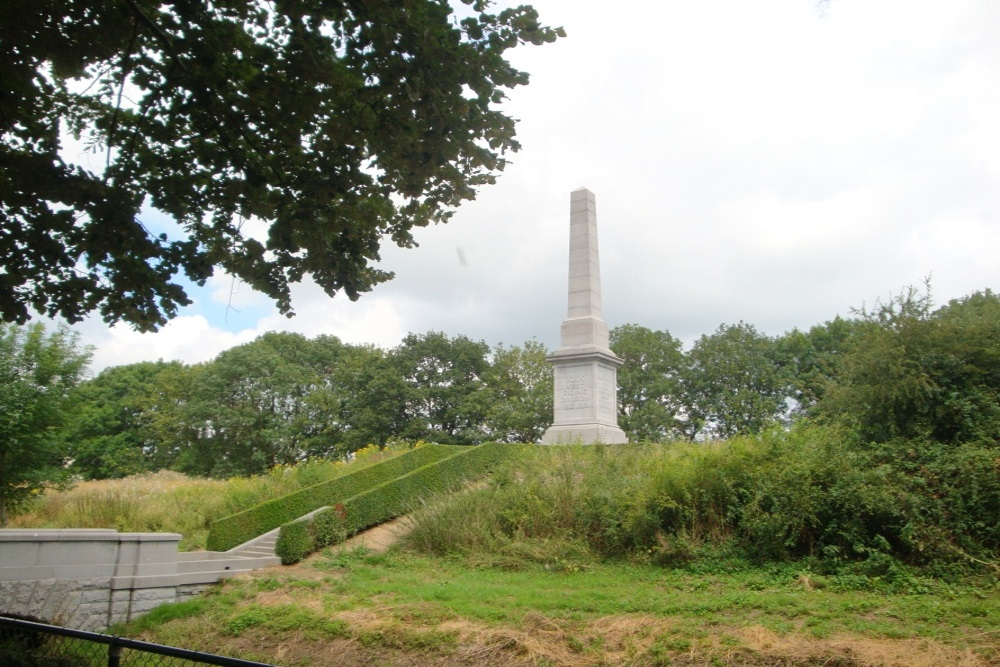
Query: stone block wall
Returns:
{"type": "Point", "coordinates": [88, 579]}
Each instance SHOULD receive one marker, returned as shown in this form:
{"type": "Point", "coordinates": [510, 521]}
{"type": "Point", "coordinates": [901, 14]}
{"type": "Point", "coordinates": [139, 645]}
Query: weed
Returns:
{"type": "Point", "coordinates": [246, 619]}
{"type": "Point", "coordinates": [268, 583]}
{"type": "Point", "coordinates": [284, 619]}
{"type": "Point", "coordinates": [340, 558]}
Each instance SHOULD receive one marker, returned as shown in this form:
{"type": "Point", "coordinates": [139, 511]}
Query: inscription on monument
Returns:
{"type": "Point", "coordinates": [575, 394]}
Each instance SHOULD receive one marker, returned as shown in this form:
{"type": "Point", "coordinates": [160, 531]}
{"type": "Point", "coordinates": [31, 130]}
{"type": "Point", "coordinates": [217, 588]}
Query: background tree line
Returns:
{"type": "Point", "coordinates": [901, 371]}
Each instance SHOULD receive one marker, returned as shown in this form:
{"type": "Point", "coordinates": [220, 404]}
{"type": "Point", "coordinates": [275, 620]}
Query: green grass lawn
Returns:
{"type": "Point", "coordinates": [402, 608]}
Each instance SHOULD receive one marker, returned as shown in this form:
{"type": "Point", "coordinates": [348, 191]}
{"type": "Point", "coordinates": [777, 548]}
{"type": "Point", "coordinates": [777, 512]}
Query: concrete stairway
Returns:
{"type": "Point", "coordinates": [207, 566]}
{"type": "Point", "coordinates": [258, 547]}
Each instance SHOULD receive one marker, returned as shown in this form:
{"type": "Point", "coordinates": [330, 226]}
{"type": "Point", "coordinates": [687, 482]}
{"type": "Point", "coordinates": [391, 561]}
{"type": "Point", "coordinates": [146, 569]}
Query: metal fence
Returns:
{"type": "Point", "coordinates": [29, 644]}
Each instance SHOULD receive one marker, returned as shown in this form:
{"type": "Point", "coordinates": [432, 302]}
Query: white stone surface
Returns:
{"type": "Point", "coordinates": [586, 371]}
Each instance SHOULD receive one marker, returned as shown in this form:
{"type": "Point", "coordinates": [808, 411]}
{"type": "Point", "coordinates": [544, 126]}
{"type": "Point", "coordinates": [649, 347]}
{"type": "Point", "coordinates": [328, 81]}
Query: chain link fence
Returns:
{"type": "Point", "coordinates": [30, 644]}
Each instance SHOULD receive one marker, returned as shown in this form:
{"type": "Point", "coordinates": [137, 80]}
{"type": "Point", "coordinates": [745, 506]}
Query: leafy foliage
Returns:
{"type": "Point", "coordinates": [283, 398]}
{"type": "Point", "coordinates": [334, 124]}
{"type": "Point", "coordinates": [920, 373]}
{"type": "Point", "coordinates": [444, 382]}
{"type": "Point", "coordinates": [109, 435]}
{"type": "Point", "coordinates": [254, 407]}
{"type": "Point", "coordinates": [38, 370]}
{"type": "Point", "coordinates": [649, 385]}
{"type": "Point", "coordinates": [732, 383]}
{"type": "Point", "coordinates": [519, 393]}
{"type": "Point", "coordinates": [372, 399]}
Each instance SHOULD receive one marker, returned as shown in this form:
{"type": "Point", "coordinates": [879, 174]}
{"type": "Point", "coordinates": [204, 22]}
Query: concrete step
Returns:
{"type": "Point", "coordinates": [254, 552]}
{"type": "Point", "coordinates": [259, 545]}
{"type": "Point", "coordinates": [266, 541]}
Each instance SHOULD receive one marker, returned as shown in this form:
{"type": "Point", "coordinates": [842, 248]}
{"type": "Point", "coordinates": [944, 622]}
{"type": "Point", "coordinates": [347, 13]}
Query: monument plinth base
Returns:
{"type": "Point", "coordinates": [585, 401]}
{"type": "Point", "coordinates": [584, 434]}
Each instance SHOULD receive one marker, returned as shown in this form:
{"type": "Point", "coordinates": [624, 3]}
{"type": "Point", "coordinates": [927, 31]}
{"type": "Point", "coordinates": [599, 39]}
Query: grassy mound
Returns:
{"type": "Point", "coordinates": [810, 492]}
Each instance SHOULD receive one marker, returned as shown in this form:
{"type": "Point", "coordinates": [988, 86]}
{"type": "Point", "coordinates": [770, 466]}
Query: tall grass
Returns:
{"type": "Point", "coordinates": [171, 502]}
{"type": "Point", "coordinates": [808, 492]}
{"type": "Point", "coordinates": [162, 502]}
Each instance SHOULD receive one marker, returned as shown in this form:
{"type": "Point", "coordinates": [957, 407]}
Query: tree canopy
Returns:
{"type": "Point", "coordinates": [915, 372]}
{"type": "Point", "coordinates": [37, 371]}
{"type": "Point", "coordinates": [336, 124]}
{"type": "Point", "coordinates": [649, 386]}
{"type": "Point", "coordinates": [733, 383]}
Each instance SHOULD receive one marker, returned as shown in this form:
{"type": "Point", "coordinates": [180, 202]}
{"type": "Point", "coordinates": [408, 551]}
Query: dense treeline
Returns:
{"type": "Point", "coordinates": [903, 370]}
{"type": "Point", "coordinates": [284, 398]}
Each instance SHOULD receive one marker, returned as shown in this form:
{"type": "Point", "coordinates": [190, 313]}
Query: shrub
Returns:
{"type": "Point", "coordinates": [915, 372]}
{"type": "Point", "coordinates": [295, 541]}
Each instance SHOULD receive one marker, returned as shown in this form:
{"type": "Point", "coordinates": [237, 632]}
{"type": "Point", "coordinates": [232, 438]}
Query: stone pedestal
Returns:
{"type": "Point", "coordinates": [586, 371]}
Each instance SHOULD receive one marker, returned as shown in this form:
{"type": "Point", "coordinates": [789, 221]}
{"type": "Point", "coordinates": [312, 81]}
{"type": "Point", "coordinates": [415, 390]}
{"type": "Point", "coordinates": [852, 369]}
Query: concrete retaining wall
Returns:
{"type": "Point", "coordinates": [90, 579]}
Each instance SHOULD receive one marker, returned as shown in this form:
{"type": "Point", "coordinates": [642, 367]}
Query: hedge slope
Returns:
{"type": "Point", "coordinates": [233, 530]}
{"type": "Point", "coordinates": [388, 500]}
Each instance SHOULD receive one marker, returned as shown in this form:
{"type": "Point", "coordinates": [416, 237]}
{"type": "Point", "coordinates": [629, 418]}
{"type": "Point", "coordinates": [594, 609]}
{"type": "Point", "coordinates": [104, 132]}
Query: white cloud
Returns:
{"type": "Point", "coordinates": [192, 339]}
{"type": "Point", "coordinates": [187, 338]}
{"type": "Point", "coordinates": [373, 319]}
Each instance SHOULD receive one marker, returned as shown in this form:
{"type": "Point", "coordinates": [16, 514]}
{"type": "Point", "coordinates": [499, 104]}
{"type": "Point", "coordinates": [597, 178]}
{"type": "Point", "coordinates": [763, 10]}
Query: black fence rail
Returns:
{"type": "Point", "coordinates": [30, 644]}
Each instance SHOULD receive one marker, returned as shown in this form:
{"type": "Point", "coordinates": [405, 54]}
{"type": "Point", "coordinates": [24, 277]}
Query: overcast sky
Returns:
{"type": "Point", "coordinates": [774, 162]}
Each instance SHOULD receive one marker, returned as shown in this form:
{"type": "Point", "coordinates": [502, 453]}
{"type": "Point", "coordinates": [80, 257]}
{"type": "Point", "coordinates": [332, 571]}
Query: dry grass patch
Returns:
{"type": "Point", "coordinates": [617, 640]}
{"type": "Point", "coordinates": [860, 651]}
{"type": "Point", "coordinates": [377, 635]}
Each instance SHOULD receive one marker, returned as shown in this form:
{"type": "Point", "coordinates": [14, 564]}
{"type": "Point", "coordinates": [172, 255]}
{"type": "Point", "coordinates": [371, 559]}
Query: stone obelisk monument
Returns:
{"type": "Point", "coordinates": [586, 370]}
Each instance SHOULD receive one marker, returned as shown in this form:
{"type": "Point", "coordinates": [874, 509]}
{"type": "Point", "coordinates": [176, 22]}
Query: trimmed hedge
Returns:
{"type": "Point", "coordinates": [233, 530]}
{"type": "Point", "coordinates": [387, 500]}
